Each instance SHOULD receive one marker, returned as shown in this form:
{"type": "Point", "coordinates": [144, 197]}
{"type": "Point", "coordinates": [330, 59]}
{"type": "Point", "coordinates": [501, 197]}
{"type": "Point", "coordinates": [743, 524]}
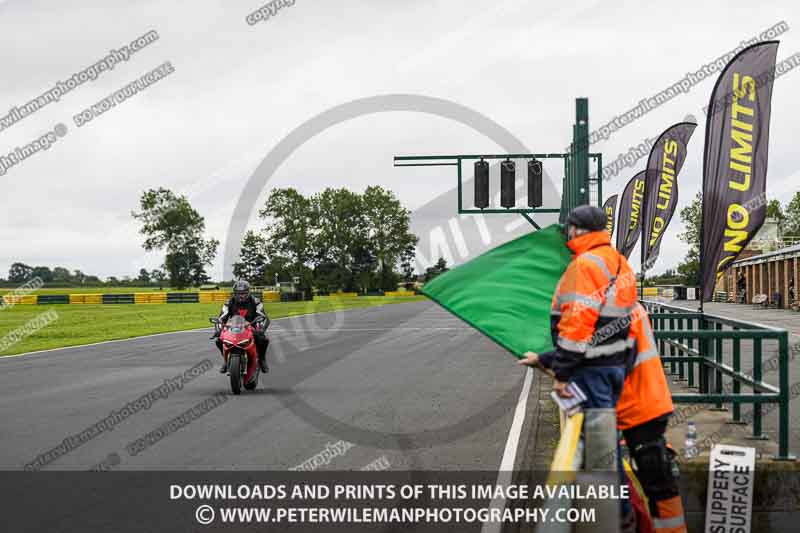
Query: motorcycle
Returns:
{"type": "Point", "coordinates": [239, 350]}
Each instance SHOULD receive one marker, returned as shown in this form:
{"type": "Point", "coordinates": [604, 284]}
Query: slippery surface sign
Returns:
{"type": "Point", "coordinates": [730, 489]}
{"type": "Point", "coordinates": [507, 292]}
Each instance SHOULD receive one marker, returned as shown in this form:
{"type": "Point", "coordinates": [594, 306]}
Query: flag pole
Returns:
{"type": "Point", "coordinates": [700, 265]}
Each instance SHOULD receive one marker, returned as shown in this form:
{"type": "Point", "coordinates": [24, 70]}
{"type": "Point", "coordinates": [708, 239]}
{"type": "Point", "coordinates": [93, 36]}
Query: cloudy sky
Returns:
{"type": "Point", "coordinates": [239, 89]}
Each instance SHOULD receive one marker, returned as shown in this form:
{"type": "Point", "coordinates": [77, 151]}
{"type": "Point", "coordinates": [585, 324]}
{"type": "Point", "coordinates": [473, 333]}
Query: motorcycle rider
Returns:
{"type": "Point", "coordinates": [252, 309]}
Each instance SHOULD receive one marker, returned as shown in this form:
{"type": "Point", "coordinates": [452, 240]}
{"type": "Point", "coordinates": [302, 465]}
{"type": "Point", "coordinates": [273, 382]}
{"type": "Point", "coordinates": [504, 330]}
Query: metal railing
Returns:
{"type": "Point", "coordinates": [705, 350]}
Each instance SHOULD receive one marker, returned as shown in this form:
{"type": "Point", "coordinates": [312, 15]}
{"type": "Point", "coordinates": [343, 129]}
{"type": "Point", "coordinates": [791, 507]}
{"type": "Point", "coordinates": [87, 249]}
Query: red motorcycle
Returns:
{"type": "Point", "coordinates": [239, 350]}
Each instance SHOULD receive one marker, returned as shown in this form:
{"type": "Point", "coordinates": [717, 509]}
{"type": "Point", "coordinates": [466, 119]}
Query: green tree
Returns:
{"type": "Point", "coordinates": [170, 223]}
{"type": "Point", "coordinates": [252, 264]}
{"type": "Point", "coordinates": [774, 210]}
{"type": "Point", "coordinates": [20, 273]}
{"type": "Point", "coordinates": [387, 224]}
{"type": "Point", "coordinates": [792, 221]}
{"type": "Point", "coordinates": [79, 277]}
{"type": "Point", "coordinates": [42, 272]}
{"type": "Point", "coordinates": [689, 268]}
{"type": "Point", "coordinates": [289, 233]}
{"type": "Point", "coordinates": [158, 276]}
{"type": "Point", "coordinates": [341, 234]}
{"type": "Point", "coordinates": [439, 268]}
{"type": "Point", "coordinates": [144, 276]}
{"type": "Point", "coordinates": [62, 275]}
{"type": "Point", "coordinates": [407, 265]}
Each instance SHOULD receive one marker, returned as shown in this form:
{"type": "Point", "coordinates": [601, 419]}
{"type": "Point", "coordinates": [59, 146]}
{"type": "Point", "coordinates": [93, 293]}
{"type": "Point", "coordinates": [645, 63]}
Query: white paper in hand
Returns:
{"type": "Point", "coordinates": [570, 405]}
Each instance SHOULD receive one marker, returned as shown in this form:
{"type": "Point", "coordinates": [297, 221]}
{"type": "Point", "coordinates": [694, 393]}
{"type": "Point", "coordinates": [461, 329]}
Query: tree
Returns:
{"type": "Point", "coordinates": [20, 273]}
{"type": "Point", "coordinates": [689, 268]}
{"type": "Point", "coordinates": [407, 265]}
{"type": "Point", "coordinates": [144, 276]}
{"type": "Point", "coordinates": [79, 277]}
{"type": "Point", "coordinates": [42, 272]}
{"type": "Point", "coordinates": [341, 234]}
{"type": "Point", "coordinates": [252, 264]}
{"type": "Point", "coordinates": [158, 276]}
{"type": "Point", "coordinates": [170, 223]}
{"type": "Point", "coordinates": [387, 224]}
{"type": "Point", "coordinates": [439, 268]}
{"type": "Point", "coordinates": [774, 210]}
{"type": "Point", "coordinates": [186, 266]}
{"type": "Point", "coordinates": [61, 275]}
{"type": "Point", "coordinates": [792, 214]}
{"type": "Point", "coordinates": [289, 232]}
{"type": "Point", "coordinates": [336, 239]}
{"type": "Point", "coordinates": [362, 269]}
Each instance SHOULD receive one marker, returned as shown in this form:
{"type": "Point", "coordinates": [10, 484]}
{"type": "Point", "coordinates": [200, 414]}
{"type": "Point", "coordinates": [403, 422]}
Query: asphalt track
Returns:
{"type": "Point", "coordinates": [403, 387]}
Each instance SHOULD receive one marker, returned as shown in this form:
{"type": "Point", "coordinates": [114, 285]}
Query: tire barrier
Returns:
{"type": "Point", "coordinates": [150, 298]}
{"type": "Point", "coordinates": [28, 299]}
{"type": "Point", "coordinates": [183, 298]}
{"type": "Point", "coordinates": [119, 299]}
{"type": "Point", "coordinates": [218, 297]}
{"type": "Point", "coordinates": [48, 299]}
{"type": "Point", "coordinates": [399, 294]}
{"type": "Point", "coordinates": [92, 299]}
{"type": "Point", "coordinates": [271, 296]}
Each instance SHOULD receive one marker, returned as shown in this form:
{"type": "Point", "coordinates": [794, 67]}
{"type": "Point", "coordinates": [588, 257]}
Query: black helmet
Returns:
{"type": "Point", "coordinates": [241, 291]}
{"type": "Point", "coordinates": [588, 217]}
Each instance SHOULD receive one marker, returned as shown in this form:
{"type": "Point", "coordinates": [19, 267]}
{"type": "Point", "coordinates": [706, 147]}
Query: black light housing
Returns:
{"type": "Point", "coordinates": [481, 184]}
{"type": "Point", "coordinates": [507, 185]}
{"type": "Point", "coordinates": [534, 183]}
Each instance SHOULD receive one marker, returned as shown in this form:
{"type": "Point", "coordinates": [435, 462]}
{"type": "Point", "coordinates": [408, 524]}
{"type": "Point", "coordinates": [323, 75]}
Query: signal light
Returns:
{"type": "Point", "coordinates": [534, 183]}
{"type": "Point", "coordinates": [507, 185]}
{"type": "Point", "coordinates": [481, 184]}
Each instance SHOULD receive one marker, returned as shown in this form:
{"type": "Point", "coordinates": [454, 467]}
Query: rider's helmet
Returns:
{"type": "Point", "coordinates": [241, 291]}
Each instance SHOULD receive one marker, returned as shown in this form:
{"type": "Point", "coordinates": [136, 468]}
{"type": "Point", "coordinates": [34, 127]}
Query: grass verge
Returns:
{"type": "Point", "coordinates": [86, 324]}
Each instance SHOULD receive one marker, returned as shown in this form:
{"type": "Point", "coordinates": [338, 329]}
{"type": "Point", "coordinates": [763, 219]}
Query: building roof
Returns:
{"type": "Point", "coordinates": [790, 251]}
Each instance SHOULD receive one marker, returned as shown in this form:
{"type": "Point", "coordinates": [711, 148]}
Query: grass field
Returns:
{"type": "Point", "coordinates": [85, 324]}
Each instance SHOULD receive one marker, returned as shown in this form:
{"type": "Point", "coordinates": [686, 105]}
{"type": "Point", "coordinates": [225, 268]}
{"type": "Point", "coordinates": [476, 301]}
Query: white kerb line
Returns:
{"type": "Point", "coordinates": [510, 453]}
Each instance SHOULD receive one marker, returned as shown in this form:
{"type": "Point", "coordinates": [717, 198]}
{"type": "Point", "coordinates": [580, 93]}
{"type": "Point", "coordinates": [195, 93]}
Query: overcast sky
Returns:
{"type": "Point", "coordinates": [238, 90]}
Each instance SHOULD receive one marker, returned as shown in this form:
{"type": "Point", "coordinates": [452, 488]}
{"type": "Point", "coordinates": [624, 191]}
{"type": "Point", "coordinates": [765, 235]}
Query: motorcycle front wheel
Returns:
{"type": "Point", "coordinates": [235, 370]}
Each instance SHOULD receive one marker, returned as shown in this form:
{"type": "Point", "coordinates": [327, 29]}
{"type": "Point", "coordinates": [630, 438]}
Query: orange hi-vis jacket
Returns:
{"type": "Point", "coordinates": [645, 394]}
{"type": "Point", "coordinates": [592, 300]}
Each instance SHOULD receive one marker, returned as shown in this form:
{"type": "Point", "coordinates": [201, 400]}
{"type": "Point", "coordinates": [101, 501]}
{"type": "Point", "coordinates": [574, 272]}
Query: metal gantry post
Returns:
{"type": "Point", "coordinates": [581, 151]}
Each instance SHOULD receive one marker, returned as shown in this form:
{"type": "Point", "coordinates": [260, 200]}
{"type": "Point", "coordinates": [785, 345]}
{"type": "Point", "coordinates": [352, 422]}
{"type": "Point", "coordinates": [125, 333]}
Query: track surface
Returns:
{"type": "Point", "coordinates": [408, 385]}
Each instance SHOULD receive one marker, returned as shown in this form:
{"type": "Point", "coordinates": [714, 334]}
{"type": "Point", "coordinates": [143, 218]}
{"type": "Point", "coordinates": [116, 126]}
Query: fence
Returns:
{"type": "Point", "coordinates": [706, 351]}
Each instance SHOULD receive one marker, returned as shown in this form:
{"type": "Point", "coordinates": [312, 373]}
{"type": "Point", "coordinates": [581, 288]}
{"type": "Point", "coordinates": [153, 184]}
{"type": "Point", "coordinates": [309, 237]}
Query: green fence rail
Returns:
{"type": "Point", "coordinates": [706, 351]}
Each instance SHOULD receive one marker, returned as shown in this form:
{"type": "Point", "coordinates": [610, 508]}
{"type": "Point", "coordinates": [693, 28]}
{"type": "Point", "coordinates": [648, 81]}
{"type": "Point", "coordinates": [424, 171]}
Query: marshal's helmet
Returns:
{"type": "Point", "coordinates": [241, 291]}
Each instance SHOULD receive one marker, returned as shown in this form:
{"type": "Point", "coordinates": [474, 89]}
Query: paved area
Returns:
{"type": "Point", "coordinates": [403, 387]}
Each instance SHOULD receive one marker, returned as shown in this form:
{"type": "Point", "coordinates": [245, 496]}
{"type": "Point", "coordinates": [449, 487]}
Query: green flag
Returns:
{"type": "Point", "coordinates": [506, 293]}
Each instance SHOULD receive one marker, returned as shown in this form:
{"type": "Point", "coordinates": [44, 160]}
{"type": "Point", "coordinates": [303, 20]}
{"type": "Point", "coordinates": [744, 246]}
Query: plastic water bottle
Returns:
{"type": "Point", "coordinates": [690, 446]}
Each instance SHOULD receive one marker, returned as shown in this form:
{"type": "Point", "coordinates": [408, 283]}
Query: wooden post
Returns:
{"type": "Point", "coordinates": [785, 296]}
{"type": "Point", "coordinates": [748, 296]}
